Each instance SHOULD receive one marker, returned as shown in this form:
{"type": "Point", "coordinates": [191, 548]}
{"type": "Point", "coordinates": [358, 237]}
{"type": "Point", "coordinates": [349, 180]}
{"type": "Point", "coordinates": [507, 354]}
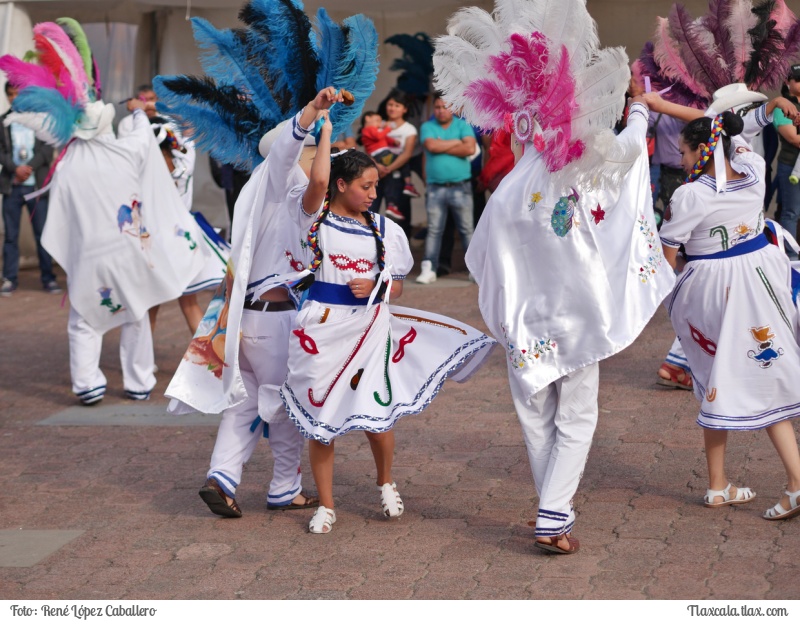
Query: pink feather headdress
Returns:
{"type": "Point", "coordinates": [535, 68]}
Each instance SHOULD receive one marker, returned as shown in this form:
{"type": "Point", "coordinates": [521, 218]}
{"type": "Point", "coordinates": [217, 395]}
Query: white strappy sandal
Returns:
{"type": "Point", "coordinates": [390, 500]}
{"type": "Point", "coordinates": [743, 495]}
{"type": "Point", "coordinates": [322, 520]}
{"type": "Point", "coordinates": [779, 513]}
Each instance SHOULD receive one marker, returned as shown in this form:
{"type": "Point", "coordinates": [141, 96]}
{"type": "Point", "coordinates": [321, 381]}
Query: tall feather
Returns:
{"type": "Point", "coordinates": [700, 61]}
{"type": "Point", "coordinates": [769, 66]}
{"type": "Point", "coordinates": [331, 43]}
{"type": "Point", "coordinates": [294, 56]}
{"type": "Point", "coordinates": [476, 27]}
{"type": "Point", "coordinates": [782, 16]}
{"type": "Point", "coordinates": [98, 86]}
{"type": "Point", "coordinates": [570, 24]}
{"type": "Point", "coordinates": [679, 93]}
{"type": "Point", "coordinates": [75, 32]}
{"type": "Point", "coordinates": [600, 89]}
{"type": "Point", "coordinates": [68, 53]}
{"type": "Point", "coordinates": [225, 58]}
{"type": "Point", "coordinates": [715, 21]}
{"type": "Point", "coordinates": [23, 75]}
{"type": "Point", "coordinates": [222, 120]}
{"type": "Point", "coordinates": [356, 70]}
{"type": "Point", "coordinates": [666, 53]}
{"type": "Point", "coordinates": [457, 63]}
{"type": "Point", "coordinates": [739, 23]}
{"type": "Point", "coordinates": [60, 115]}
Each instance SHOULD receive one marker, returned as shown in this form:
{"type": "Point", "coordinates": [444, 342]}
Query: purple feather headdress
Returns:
{"type": "Point", "coordinates": [734, 42]}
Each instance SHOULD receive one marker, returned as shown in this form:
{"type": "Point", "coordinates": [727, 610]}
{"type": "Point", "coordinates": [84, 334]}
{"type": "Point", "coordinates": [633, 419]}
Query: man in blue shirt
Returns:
{"type": "Point", "coordinates": [25, 161]}
{"type": "Point", "coordinates": [448, 142]}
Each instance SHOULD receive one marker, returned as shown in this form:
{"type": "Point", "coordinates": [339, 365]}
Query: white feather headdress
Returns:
{"type": "Point", "coordinates": [536, 66]}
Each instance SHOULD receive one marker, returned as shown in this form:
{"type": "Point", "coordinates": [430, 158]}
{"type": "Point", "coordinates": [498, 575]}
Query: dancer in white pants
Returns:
{"type": "Point", "coordinates": [566, 254]}
{"type": "Point", "coordinates": [135, 354]}
{"type": "Point", "coordinates": [263, 356]}
{"type": "Point", "coordinates": [558, 424]}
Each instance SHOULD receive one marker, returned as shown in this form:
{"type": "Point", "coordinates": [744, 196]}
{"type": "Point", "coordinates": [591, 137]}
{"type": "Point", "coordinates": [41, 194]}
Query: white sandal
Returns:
{"type": "Point", "coordinates": [322, 520]}
{"type": "Point", "coordinates": [779, 513]}
{"type": "Point", "coordinates": [390, 500]}
{"type": "Point", "coordinates": [743, 495]}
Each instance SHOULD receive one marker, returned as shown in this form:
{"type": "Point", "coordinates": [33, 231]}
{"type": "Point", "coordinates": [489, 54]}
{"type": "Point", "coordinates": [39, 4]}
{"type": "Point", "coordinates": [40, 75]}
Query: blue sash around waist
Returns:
{"type": "Point", "coordinates": [748, 246]}
{"type": "Point", "coordinates": [336, 294]}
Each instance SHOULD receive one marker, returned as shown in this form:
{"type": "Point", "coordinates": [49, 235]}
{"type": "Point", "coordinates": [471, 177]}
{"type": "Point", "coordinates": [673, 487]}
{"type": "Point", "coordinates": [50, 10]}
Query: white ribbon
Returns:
{"type": "Point", "coordinates": [384, 276]}
{"type": "Point", "coordinates": [719, 166]}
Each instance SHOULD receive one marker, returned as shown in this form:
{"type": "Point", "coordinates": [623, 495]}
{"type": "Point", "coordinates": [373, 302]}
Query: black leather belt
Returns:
{"type": "Point", "coordinates": [269, 306]}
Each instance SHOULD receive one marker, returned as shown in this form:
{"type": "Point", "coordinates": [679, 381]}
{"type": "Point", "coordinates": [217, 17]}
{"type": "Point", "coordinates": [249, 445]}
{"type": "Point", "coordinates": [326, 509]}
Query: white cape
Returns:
{"type": "Point", "coordinates": [568, 279]}
{"type": "Point", "coordinates": [263, 236]}
{"type": "Point", "coordinates": [119, 229]}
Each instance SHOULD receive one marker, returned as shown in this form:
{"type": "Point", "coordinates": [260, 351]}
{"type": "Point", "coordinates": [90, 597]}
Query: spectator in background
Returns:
{"type": "Point", "coordinates": [25, 164]}
{"type": "Point", "coordinates": [391, 178]}
{"type": "Point", "coordinates": [448, 142]}
{"type": "Point", "coordinates": [144, 93]}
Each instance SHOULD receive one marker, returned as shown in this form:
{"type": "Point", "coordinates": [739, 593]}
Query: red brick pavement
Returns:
{"type": "Point", "coordinates": [460, 466]}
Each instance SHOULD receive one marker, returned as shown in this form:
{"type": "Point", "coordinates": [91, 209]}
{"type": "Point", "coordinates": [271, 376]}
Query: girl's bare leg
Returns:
{"type": "Point", "coordinates": [715, 442]}
{"type": "Point", "coordinates": [785, 442]}
{"type": "Point", "coordinates": [321, 457]}
{"type": "Point", "coordinates": [382, 445]}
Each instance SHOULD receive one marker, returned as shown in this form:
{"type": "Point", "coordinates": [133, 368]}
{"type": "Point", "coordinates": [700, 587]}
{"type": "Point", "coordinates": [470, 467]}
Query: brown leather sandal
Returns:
{"type": "Point", "coordinates": [553, 547]}
{"type": "Point", "coordinates": [308, 501]}
{"type": "Point", "coordinates": [216, 499]}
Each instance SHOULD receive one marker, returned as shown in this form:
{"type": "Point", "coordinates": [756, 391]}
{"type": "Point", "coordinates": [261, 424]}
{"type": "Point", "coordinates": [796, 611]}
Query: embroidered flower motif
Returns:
{"type": "Point", "coordinates": [598, 214]}
{"type": "Point", "coordinates": [535, 199]}
{"type": "Point", "coordinates": [519, 357]}
{"type": "Point", "coordinates": [654, 253]}
{"type": "Point", "coordinates": [106, 301]}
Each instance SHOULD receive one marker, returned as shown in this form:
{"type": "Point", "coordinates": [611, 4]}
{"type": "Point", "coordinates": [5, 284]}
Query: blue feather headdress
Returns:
{"type": "Point", "coordinates": [265, 72]}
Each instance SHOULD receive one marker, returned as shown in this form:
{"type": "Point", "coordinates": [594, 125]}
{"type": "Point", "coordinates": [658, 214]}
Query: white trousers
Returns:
{"type": "Point", "coordinates": [263, 360]}
{"type": "Point", "coordinates": [676, 356]}
{"type": "Point", "coordinates": [558, 425]}
{"type": "Point", "coordinates": [135, 354]}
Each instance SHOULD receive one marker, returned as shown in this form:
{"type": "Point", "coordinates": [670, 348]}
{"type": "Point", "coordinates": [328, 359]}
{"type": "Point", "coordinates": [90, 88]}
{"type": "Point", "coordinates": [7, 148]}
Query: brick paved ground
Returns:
{"type": "Point", "coordinates": [460, 466]}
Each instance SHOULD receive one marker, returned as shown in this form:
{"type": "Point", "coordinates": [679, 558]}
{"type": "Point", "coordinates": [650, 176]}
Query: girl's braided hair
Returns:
{"type": "Point", "coordinates": [347, 166]}
{"type": "Point", "coordinates": [711, 132]}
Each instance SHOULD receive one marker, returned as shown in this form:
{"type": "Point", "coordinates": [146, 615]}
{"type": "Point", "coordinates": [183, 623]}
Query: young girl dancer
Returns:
{"type": "Point", "coordinates": [732, 306]}
{"type": "Point", "coordinates": [354, 363]}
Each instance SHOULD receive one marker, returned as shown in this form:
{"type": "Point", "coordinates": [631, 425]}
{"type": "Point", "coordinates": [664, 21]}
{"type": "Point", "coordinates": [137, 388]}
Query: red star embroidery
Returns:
{"type": "Point", "coordinates": [599, 214]}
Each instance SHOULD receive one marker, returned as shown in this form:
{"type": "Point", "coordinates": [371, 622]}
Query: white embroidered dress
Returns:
{"type": "Point", "coordinates": [568, 278]}
{"type": "Point", "coordinates": [734, 315]}
{"type": "Point", "coordinates": [362, 367]}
